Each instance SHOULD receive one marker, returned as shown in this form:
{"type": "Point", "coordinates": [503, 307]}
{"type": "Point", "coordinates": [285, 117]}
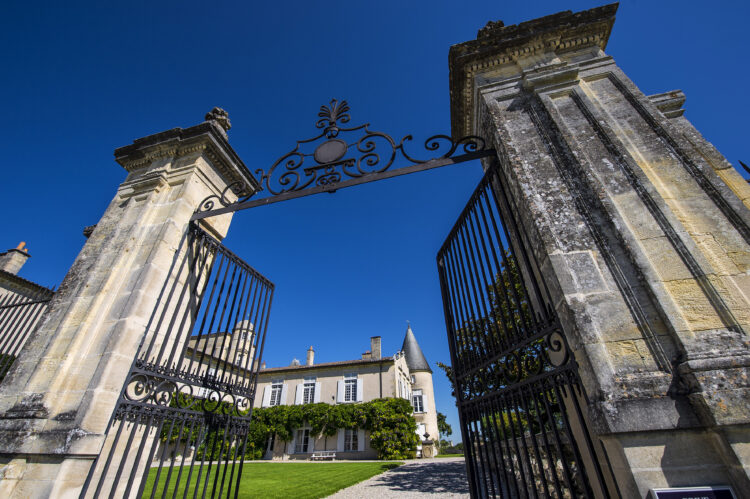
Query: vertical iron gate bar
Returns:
{"type": "Point", "coordinates": [466, 295]}
{"type": "Point", "coordinates": [188, 290]}
{"type": "Point", "coordinates": [180, 433]}
{"type": "Point", "coordinates": [516, 382]}
{"type": "Point", "coordinates": [500, 196]}
{"type": "Point", "coordinates": [448, 312]}
{"type": "Point", "coordinates": [150, 459]}
{"type": "Point", "coordinates": [188, 398]}
{"type": "Point", "coordinates": [201, 436]}
{"type": "Point", "coordinates": [110, 455]}
{"type": "Point", "coordinates": [535, 277]}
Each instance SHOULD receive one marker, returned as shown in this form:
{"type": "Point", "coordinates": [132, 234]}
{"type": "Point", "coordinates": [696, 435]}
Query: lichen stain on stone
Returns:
{"type": "Point", "coordinates": [73, 435]}
{"type": "Point", "coordinates": [28, 407]}
{"type": "Point", "coordinates": [65, 416]}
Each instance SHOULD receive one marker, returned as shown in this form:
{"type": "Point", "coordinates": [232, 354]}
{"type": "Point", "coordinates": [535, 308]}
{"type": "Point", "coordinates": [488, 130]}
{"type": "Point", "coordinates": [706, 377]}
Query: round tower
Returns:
{"type": "Point", "coordinates": [423, 394]}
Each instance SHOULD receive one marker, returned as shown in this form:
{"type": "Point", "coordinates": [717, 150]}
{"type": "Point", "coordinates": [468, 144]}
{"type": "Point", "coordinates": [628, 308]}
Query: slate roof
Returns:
{"type": "Point", "coordinates": [17, 284]}
{"type": "Point", "coordinates": [326, 364]}
{"type": "Point", "coordinates": [414, 356]}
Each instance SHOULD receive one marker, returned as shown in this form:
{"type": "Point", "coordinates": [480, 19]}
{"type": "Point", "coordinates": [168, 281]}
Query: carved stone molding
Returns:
{"type": "Point", "coordinates": [208, 137]}
{"type": "Point", "coordinates": [497, 44]}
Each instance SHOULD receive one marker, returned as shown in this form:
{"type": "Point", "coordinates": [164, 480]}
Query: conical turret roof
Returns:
{"type": "Point", "coordinates": [414, 356]}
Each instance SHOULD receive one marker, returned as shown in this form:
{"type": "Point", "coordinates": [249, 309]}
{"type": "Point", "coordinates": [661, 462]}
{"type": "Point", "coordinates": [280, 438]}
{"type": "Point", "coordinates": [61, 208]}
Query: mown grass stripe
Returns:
{"type": "Point", "coordinates": [277, 480]}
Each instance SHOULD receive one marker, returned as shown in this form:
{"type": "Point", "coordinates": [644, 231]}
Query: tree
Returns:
{"type": "Point", "coordinates": [508, 326]}
{"type": "Point", "coordinates": [449, 374]}
{"type": "Point", "coordinates": [444, 429]}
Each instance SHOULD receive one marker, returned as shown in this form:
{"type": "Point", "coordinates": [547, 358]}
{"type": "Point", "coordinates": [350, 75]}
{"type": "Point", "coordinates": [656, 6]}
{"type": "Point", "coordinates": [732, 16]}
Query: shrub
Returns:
{"type": "Point", "coordinates": [390, 423]}
{"type": "Point", "coordinates": [389, 420]}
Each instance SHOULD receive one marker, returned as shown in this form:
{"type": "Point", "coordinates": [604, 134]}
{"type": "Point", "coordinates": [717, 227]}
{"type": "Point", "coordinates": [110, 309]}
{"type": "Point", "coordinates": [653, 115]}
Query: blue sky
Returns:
{"type": "Point", "coordinates": [82, 78]}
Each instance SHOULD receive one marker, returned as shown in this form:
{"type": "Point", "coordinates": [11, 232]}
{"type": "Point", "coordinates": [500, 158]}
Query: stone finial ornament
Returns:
{"type": "Point", "coordinates": [220, 116]}
{"type": "Point", "coordinates": [489, 28]}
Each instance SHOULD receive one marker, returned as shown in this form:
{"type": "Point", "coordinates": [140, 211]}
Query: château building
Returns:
{"type": "Point", "coordinates": [405, 374]}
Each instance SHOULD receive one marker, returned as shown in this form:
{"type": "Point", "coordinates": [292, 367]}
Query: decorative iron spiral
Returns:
{"type": "Point", "coordinates": [287, 174]}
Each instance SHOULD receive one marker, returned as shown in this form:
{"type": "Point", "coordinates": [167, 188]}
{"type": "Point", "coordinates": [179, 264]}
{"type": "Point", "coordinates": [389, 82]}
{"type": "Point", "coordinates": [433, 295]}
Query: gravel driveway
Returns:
{"type": "Point", "coordinates": [433, 478]}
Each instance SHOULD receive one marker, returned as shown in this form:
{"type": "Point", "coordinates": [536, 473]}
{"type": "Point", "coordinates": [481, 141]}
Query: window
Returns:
{"type": "Point", "coordinates": [302, 441]}
{"type": "Point", "coordinates": [350, 388]}
{"type": "Point", "coordinates": [403, 389]}
{"type": "Point", "coordinates": [417, 402]}
{"type": "Point", "coordinates": [351, 442]}
{"type": "Point", "coordinates": [308, 396]}
{"type": "Point", "coordinates": [413, 379]}
{"type": "Point", "coordinates": [276, 388]}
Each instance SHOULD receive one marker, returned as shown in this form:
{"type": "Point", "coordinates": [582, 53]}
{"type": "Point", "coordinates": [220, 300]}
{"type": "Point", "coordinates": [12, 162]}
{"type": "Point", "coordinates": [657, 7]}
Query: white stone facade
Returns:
{"type": "Point", "coordinates": [345, 382]}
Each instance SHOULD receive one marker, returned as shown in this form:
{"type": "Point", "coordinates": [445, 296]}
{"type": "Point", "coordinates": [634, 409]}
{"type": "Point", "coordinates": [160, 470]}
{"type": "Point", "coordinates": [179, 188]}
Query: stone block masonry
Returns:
{"type": "Point", "coordinates": [57, 400]}
{"type": "Point", "coordinates": [642, 232]}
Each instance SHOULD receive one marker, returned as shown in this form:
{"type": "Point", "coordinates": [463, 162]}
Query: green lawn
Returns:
{"type": "Point", "coordinates": [262, 480]}
{"type": "Point", "coordinates": [450, 455]}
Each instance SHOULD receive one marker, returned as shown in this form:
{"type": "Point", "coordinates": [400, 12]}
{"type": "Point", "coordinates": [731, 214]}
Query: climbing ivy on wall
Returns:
{"type": "Point", "coordinates": [390, 422]}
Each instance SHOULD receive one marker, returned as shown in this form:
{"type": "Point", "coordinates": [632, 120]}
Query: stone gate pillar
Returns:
{"type": "Point", "coordinates": [641, 229]}
{"type": "Point", "coordinates": [57, 399]}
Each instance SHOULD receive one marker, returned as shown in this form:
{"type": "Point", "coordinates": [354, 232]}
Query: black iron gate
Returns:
{"type": "Point", "coordinates": [520, 400]}
{"type": "Point", "coordinates": [180, 425]}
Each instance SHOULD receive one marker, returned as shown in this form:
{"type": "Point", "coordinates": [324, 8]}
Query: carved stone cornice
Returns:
{"type": "Point", "coordinates": [207, 138]}
{"type": "Point", "coordinates": [497, 44]}
{"type": "Point", "coordinates": [669, 103]}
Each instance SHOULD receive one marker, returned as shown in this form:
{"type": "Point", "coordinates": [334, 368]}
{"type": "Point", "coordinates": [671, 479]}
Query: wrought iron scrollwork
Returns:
{"type": "Point", "coordinates": [545, 353]}
{"type": "Point", "coordinates": [149, 390]}
{"type": "Point", "coordinates": [339, 153]}
{"type": "Point", "coordinates": [241, 191]}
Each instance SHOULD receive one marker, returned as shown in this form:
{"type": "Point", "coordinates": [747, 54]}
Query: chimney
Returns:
{"type": "Point", "coordinates": [12, 260]}
{"type": "Point", "coordinates": [375, 347]}
{"type": "Point", "coordinates": [310, 356]}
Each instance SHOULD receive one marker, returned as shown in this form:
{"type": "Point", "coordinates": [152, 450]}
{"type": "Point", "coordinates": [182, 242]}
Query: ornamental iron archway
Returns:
{"type": "Point", "coordinates": [340, 157]}
{"type": "Point", "coordinates": [510, 358]}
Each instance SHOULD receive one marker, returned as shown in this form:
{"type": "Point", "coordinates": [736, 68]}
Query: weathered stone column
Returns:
{"type": "Point", "coordinates": [57, 400]}
{"type": "Point", "coordinates": [641, 230]}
